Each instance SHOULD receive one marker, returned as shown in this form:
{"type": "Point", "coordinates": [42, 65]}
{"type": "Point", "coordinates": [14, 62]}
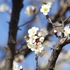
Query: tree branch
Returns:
{"type": "Point", "coordinates": [56, 51]}
{"type": "Point", "coordinates": [13, 27]}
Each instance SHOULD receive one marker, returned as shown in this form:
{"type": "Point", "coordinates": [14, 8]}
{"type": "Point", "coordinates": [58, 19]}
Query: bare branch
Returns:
{"type": "Point", "coordinates": [56, 51]}
{"type": "Point", "coordinates": [66, 18]}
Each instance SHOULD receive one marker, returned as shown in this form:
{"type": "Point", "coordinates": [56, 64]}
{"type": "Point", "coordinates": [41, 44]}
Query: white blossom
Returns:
{"type": "Point", "coordinates": [32, 39]}
{"type": "Point", "coordinates": [30, 45]}
{"type": "Point", "coordinates": [67, 30]}
{"type": "Point", "coordinates": [39, 34]}
{"type": "Point", "coordinates": [41, 39]}
{"type": "Point", "coordinates": [37, 48]}
{"type": "Point", "coordinates": [45, 8]}
{"type": "Point", "coordinates": [43, 32]}
{"type": "Point", "coordinates": [30, 10]}
{"type": "Point", "coordinates": [4, 7]}
{"type": "Point", "coordinates": [33, 31]}
{"type": "Point", "coordinates": [21, 57]}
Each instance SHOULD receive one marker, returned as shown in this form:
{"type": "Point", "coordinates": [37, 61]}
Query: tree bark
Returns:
{"type": "Point", "coordinates": [13, 28]}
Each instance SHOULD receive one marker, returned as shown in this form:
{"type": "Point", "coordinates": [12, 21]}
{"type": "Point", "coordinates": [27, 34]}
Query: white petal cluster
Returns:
{"type": "Point", "coordinates": [67, 30]}
{"type": "Point", "coordinates": [30, 10]}
{"type": "Point", "coordinates": [4, 7]}
{"type": "Point", "coordinates": [34, 41]}
{"type": "Point", "coordinates": [45, 8]}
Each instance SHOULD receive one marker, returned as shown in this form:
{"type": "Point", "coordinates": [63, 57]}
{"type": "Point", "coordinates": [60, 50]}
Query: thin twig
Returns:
{"type": "Point", "coordinates": [29, 20]}
{"type": "Point", "coordinates": [66, 18]}
{"type": "Point", "coordinates": [36, 58]}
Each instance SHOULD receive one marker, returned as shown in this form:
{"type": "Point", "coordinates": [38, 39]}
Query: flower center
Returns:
{"type": "Point", "coordinates": [45, 9]}
{"type": "Point", "coordinates": [36, 47]}
{"type": "Point", "coordinates": [33, 32]}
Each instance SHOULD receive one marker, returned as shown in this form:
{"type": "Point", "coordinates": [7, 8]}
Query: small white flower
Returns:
{"type": "Point", "coordinates": [33, 31]}
{"type": "Point", "coordinates": [4, 7]}
{"type": "Point", "coordinates": [21, 57]}
{"type": "Point", "coordinates": [67, 30]}
{"type": "Point", "coordinates": [41, 39]}
{"type": "Point", "coordinates": [37, 48]}
{"type": "Point", "coordinates": [43, 32]}
{"type": "Point", "coordinates": [45, 9]}
{"type": "Point", "coordinates": [39, 34]}
{"type": "Point", "coordinates": [30, 10]}
{"type": "Point", "coordinates": [30, 45]}
{"type": "Point", "coordinates": [32, 39]}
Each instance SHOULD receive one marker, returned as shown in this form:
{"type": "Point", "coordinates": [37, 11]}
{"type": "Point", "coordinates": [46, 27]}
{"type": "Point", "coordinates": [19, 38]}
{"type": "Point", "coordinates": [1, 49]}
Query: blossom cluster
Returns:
{"type": "Point", "coordinates": [34, 41]}
{"type": "Point", "coordinates": [43, 31]}
{"type": "Point", "coordinates": [45, 8]}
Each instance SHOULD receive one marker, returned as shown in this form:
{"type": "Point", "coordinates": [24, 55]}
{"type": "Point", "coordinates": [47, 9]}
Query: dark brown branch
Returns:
{"type": "Point", "coordinates": [13, 27]}
{"type": "Point", "coordinates": [56, 51]}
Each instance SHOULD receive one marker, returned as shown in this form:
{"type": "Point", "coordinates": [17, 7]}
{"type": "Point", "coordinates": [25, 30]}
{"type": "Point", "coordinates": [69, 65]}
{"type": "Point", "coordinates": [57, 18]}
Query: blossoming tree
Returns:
{"type": "Point", "coordinates": [38, 38]}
